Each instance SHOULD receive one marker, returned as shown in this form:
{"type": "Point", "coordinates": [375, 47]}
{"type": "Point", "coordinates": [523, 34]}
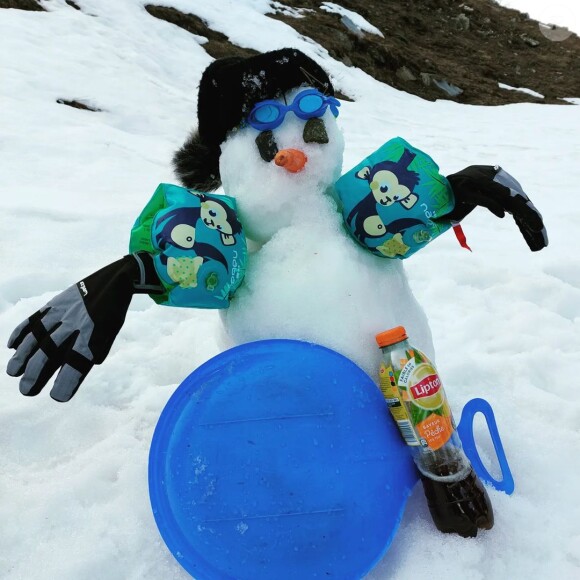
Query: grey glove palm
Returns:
{"type": "Point", "coordinates": [77, 328]}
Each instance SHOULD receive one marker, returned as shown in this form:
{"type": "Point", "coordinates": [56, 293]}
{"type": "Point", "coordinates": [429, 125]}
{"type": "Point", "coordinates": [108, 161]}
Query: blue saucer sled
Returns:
{"type": "Point", "coordinates": [278, 460]}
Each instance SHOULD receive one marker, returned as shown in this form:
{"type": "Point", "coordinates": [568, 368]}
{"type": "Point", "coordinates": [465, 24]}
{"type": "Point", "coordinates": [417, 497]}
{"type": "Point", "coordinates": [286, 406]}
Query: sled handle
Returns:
{"type": "Point", "coordinates": [465, 431]}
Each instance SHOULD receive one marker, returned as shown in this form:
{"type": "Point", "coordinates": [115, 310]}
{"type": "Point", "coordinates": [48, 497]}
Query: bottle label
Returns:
{"type": "Point", "coordinates": [425, 401]}
{"type": "Point", "coordinates": [427, 387]}
{"type": "Point", "coordinates": [388, 385]}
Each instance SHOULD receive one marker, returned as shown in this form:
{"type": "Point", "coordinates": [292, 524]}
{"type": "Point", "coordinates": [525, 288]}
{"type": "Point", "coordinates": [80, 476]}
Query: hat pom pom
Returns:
{"type": "Point", "coordinates": [196, 164]}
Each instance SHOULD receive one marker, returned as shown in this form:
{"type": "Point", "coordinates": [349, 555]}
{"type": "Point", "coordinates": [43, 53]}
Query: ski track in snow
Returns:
{"type": "Point", "coordinates": [73, 477]}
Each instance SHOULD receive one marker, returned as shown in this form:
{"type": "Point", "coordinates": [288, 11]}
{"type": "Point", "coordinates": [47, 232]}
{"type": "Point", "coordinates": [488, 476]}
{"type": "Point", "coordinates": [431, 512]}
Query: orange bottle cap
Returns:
{"type": "Point", "coordinates": [391, 336]}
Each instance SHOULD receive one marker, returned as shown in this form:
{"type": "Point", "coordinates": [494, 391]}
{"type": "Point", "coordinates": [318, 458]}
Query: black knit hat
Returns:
{"type": "Point", "coordinates": [228, 90]}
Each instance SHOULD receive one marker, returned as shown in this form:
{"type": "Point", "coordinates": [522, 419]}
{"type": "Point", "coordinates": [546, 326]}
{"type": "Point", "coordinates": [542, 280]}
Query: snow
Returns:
{"type": "Point", "coordinates": [521, 90]}
{"type": "Point", "coordinates": [291, 11]}
{"type": "Point", "coordinates": [352, 18]}
{"type": "Point", "coordinates": [559, 12]}
{"type": "Point", "coordinates": [505, 321]}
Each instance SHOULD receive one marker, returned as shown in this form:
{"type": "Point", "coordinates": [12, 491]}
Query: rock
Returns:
{"type": "Point", "coordinates": [78, 105]}
{"type": "Point", "coordinates": [425, 79]}
{"type": "Point", "coordinates": [22, 5]}
{"type": "Point", "coordinates": [442, 84]}
{"type": "Point", "coordinates": [529, 40]}
{"type": "Point", "coordinates": [405, 74]}
{"type": "Point", "coordinates": [461, 22]}
{"type": "Point", "coordinates": [447, 87]}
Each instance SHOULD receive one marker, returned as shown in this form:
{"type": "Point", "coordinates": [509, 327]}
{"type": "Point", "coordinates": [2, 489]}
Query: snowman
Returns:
{"type": "Point", "coordinates": [268, 133]}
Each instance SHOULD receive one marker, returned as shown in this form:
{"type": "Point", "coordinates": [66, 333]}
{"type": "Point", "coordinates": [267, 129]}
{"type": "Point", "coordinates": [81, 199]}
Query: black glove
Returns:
{"type": "Point", "coordinates": [77, 328]}
{"type": "Point", "coordinates": [495, 189]}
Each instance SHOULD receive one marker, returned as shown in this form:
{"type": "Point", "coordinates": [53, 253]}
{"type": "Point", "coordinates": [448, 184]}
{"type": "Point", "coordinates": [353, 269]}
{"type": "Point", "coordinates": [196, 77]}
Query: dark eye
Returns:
{"type": "Point", "coordinates": [315, 131]}
{"type": "Point", "coordinates": [266, 145]}
{"type": "Point", "coordinates": [384, 188]}
{"type": "Point", "coordinates": [189, 239]}
{"type": "Point", "coordinates": [212, 213]}
{"type": "Point", "coordinates": [380, 226]}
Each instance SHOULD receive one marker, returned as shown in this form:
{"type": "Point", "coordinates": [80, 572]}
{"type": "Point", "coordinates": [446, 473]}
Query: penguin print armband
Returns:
{"type": "Point", "coordinates": [197, 243]}
{"type": "Point", "coordinates": [391, 199]}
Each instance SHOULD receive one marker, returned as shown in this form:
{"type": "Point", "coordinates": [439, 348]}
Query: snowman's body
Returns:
{"type": "Point", "coordinates": [306, 277]}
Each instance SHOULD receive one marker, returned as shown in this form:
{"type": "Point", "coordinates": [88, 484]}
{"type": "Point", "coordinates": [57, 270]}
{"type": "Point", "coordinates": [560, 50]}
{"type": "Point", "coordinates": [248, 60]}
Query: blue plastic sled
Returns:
{"type": "Point", "coordinates": [277, 460]}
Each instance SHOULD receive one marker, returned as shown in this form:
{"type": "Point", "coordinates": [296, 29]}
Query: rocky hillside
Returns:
{"type": "Point", "coordinates": [436, 49]}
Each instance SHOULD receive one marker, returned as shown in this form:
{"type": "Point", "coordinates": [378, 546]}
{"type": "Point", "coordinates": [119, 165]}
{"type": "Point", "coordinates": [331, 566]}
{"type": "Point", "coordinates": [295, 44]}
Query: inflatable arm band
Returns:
{"type": "Point", "coordinates": [390, 198]}
{"type": "Point", "coordinates": [197, 244]}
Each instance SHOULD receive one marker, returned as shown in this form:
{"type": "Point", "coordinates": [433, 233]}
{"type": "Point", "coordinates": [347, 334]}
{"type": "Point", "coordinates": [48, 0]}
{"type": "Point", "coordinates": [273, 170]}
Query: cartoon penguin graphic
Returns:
{"type": "Point", "coordinates": [393, 182]}
{"type": "Point", "coordinates": [178, 228]}
{"type": "Point", "coordinates": [390, 183]}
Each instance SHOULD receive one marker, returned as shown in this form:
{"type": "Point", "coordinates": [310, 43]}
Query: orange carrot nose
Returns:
{"type": "Point", "coordinates": [292, 160]}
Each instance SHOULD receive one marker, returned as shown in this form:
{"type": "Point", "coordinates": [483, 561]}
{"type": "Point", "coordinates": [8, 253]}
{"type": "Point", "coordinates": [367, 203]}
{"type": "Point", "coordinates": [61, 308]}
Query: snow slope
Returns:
{"type": "Point", "coordinates": [73, 477]}
{"type": "Point", "coordinates": [560, 12]}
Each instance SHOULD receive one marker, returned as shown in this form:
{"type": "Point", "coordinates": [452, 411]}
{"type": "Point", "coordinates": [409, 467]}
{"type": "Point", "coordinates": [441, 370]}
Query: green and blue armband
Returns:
{"type": "Point", "coordinates": [197, 243]}
{"type": "Point", "coordinates": [390, 198]}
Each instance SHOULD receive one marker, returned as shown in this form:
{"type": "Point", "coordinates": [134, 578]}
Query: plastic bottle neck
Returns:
{"type": "Point", "coordinates": [402, 344]}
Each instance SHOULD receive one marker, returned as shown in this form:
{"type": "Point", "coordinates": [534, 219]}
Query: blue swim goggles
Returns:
{"type": "Point", "coordinates": [307, 104]}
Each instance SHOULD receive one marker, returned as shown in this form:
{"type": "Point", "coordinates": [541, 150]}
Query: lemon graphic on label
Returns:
{"type": "Point", "coordinates": [425, 387]}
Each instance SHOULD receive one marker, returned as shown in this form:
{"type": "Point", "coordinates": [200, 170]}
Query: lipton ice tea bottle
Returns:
{"type": "Point", "coordinates": [409, 381]}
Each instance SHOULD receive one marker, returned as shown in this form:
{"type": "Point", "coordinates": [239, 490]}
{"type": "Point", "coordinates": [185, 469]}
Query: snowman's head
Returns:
{"type": "Point", "coordinates": [281, 161]}
{"type": "Point", "coordinates": [268, 132]}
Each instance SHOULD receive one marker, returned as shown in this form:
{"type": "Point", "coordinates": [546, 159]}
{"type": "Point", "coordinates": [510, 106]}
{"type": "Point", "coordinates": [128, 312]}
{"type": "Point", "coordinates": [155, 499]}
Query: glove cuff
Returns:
{"type": "Point", "coordinates": [147, 281]}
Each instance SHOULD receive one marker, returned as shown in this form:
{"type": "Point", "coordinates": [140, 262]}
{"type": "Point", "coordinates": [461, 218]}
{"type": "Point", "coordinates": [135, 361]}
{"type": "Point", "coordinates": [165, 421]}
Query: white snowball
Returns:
{"type": "Point", "coordinates": [268, 196]}
{"type": "Point", "coordinates": [312, 282]}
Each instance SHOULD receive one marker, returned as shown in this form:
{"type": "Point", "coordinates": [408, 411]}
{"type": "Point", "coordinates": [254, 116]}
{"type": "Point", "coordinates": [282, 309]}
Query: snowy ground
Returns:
{"type": "Point", "coordinates": [73, 477]}
{"type": "Point", "coordinates": [559, 12]}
